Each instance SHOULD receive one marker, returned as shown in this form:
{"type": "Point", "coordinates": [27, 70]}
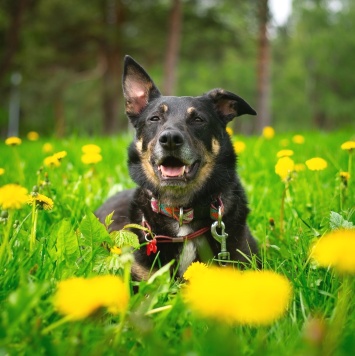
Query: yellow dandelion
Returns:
{"type": "Point", "coordinates": [195, 269]}
{"type": "Point", "coordinates": [33, 136]}
{"type": "Point", "coordinates": [60, 155]}
{"type": "Point", "coordinates": [51, 161]}
{"type": "Point", "coordinates": [336, 249]}
{"type": "Point", "coordinates": [229, 131]}
{"type": "Point", "coordinates": [47, 147]}
{"type": "Point", "coordinates": [284, 142]}
{"type": "Point", "coordinates": [284, 153]}
{"type": "Point", "coordinates": [116, 250]}
{"type": "Point", "coordinates": [41, 201]}
{"type": "Point", "coordinates": [316, 164]}
{"type": "Point", "coordinates": [348, 146]}
{"type": "Point", "coordinates": [298, 139]}
{"type": "Point", "coordinates": [13, 141]}
{"type": "Point", "coordinates": [2, 171]}
{"type": "Point", "coordinates": [284, 167]}
{"type": "Point", "coordinates": [12, 196]}
{"type": "Point", "coordinates": [239, 146]}
{"type": "Point", "coordinates": [268, 132]}
{"type": "Point", "coordinates": [247, 298]}
{"type": "Point", "coordinates": [91, 148]}
{"type": "Point", "coordinates": [91, 158]}
{"type": "Point", "coordinates": [79, 297]}
{"type": "Point", "coordinates": [345, 176]}
{"type": "Point", "coordinates": [299, 167]}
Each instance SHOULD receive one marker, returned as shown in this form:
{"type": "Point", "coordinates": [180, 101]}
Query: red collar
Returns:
{"type": "Point", "coordinates": [186, 215]}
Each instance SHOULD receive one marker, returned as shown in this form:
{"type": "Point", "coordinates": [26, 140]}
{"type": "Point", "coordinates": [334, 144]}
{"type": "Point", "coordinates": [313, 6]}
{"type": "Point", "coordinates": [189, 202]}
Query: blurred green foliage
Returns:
{"type": "Point", "coordinates": [70, 57]}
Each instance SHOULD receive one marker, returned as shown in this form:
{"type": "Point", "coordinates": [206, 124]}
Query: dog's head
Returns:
{"type": "Point", "coordinates": [181, 143]}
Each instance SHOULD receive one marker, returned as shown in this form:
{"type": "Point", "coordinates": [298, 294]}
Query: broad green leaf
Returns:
{"type": "Point", "coordinates": [125, 238]}
{"type": "Point", "coordinates": [338, 222]}
{"type": "Point", "coordinates": [93, 231]}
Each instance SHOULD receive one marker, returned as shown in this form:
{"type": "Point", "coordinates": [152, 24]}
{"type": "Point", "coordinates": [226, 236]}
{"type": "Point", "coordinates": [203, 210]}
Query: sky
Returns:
{"type": "Point", "coordinates": [280, 10]}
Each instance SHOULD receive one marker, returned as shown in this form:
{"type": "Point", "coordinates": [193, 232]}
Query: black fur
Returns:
{"type": "Point", "coordinates": [172, 132]}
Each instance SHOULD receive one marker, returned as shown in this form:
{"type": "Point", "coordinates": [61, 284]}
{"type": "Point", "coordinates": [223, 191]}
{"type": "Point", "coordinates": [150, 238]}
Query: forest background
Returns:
{"type": "Point", "coordinates": [61, 61]}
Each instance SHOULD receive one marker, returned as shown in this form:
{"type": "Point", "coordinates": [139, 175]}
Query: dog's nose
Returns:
{"type": "Point", "coordinates": [171, 139]}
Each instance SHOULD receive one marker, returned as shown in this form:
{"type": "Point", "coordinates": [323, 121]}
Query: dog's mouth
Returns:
{"type": "Point", "coordinates": [174, 168]}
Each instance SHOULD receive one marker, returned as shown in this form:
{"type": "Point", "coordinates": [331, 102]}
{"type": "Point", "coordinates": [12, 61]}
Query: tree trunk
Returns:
{"type": "Point", "coordinates": [173, 46]}
{"type": "Point", "coordinates": [12, 37]}
{"type": "Point", "coordinates": [111, 93]}
{"type": "Point", "coordinates": [263, 80]}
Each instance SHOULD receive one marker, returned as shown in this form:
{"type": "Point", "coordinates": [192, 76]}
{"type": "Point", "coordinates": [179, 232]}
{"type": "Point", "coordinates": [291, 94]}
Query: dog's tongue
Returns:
{"type": "Point", "coordinates": [168, 171]}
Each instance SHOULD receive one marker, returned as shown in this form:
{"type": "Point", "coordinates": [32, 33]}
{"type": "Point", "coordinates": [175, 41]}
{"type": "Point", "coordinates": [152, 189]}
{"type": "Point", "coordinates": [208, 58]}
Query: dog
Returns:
{"type": "Point", "coordinates": [189, 195]}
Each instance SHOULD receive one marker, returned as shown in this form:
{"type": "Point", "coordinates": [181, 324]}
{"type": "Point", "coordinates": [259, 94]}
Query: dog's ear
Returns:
{"type": "Point", "coordinates": [229, 105]}
{"type": "Point", "coordinates": [138, 88]}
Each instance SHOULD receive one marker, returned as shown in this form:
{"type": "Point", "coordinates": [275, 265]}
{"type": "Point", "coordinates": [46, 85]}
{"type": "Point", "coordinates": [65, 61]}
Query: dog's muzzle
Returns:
{"type": "Point", "coordinates": [173, 157]}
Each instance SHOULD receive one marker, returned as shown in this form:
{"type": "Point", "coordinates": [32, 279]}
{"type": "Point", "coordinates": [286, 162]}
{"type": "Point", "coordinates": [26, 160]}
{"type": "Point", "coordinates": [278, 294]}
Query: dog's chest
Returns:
{"type": "Point", "coordinates": [188, 254]}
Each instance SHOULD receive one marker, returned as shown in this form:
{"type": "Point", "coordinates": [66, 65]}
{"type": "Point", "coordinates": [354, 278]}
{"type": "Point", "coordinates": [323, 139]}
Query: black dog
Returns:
{"type": "Point", "coordinates": [183, 160]}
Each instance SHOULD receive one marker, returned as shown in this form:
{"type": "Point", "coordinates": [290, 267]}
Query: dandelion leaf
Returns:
{"type": "Point", "coordinates": [338, 222]}
{"type": "Point", "coordinates": [93, 232]}
{"type": "Point", "coordinates": [65, 247]}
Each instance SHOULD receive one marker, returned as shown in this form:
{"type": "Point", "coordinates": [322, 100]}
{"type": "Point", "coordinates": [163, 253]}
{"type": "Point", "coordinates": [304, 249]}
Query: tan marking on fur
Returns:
{"type": "Point", "coordinates": [164, 108]}
{"type": "Point", "coordinates": [139, 145]}
{"type": "Point", "coordinates": [190, 110]}
{"type": "Point", "coordinates": [147, 167]}
{"type": "Point", "coordinates": [215, 146]}
{"type": "Point", "coordinates": [141, 272]}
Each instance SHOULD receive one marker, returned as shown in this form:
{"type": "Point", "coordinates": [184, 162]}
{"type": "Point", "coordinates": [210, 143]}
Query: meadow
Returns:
{"type": "Point", "coordinates": [55, 256]}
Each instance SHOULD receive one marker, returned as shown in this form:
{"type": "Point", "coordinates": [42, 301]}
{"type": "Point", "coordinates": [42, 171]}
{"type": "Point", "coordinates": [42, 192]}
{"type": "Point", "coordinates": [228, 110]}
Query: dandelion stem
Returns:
{"type": "Point", "coordinates": [56, 324]}
{"type": "Point", "coordinates": [5, 243]}
{"type": "Point", "coordinates": [350, 165]}
{"type": "Point", "coordinates": [33, 227]}
{"type": "Point", "coordinates": [282, 211]}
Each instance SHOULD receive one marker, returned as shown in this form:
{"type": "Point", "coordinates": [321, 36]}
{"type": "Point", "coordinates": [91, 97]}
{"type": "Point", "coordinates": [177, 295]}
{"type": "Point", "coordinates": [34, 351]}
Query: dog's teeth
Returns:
{"type": "Point", "coordinates": [183, 171]}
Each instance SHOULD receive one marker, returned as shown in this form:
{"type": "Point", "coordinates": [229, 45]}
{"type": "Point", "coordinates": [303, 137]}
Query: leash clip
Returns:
{"type": "Point", "coordinates": [221, 238]}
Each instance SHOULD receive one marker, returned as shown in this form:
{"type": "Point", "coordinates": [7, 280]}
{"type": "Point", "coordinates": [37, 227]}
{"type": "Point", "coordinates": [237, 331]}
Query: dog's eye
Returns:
{"type": "Point", "coordinates": [154, 118]}
{"type": "Point", "coordinates": [198, 119]}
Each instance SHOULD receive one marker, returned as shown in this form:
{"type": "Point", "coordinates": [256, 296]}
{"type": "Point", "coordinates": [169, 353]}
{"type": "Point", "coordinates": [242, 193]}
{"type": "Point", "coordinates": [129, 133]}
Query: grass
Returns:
{"type": "Point", "coordinates": [69, 242]}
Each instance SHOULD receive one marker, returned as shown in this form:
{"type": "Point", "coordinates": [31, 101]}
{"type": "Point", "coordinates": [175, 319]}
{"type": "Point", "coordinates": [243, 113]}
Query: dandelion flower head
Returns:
{"type": "Point", "coordinates": [229, 131]}
{"type": "Point", "coordinates": [336, 249]}
{"type": "Point", "coordinates": [235, 297]}
{"type": "Point", "coordinates": [60, 155]}
{"type": "Point", "coordinates": [2, 171]}
{"type": "Point", "coordinates": [316, 164]}
{"type": "Point", "coordinates": [51, 161]}
{"type": "Point", "coordinates": [80, 297]}
{"type": "Point", "coordinates": [41, 201]}
{"type": "Point", "coordinates": [239, 146]}
{"type": "Point", "coordinates": [116, 250]}
{"type": "Point", "coordinates": [91, 158]}
{"type": "Point", "coordinates": [299, 167]}
{"type": "Point", "coordinates": [33, 136]}
{"type": "Point", "coordinates": [284, 167]}
{"type": "Point", "coordinates": [195, 269]}
{"type": "Point", "coordinates": [91, 148]}
{"type": "Point", "coordinates": [348, 146]}
{"type": "Point", "coordinates": [268, 132]}
{"type": "Point", "coordinates": [13, 141]}
{"type": "Point", "coordinates": [47, 147]}
{"type": "Point", "coordinates": [12, 196]}
{"type": "Point", "coordinates": [284, 153]}
{"type": "Point", "coordinates": [344, 176]}
{"type": "Point", "coordinates": [298, 139]}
